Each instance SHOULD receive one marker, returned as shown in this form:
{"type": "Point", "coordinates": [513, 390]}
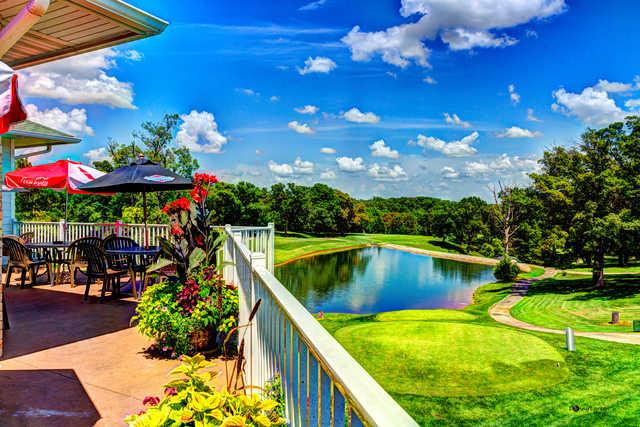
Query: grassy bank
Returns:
{"type": "Point", "coordinates": [295, 246]}
{"type": "Point", "coordinates": [573, 301]}
{"type": "Point", "coordinates": [459, 367]}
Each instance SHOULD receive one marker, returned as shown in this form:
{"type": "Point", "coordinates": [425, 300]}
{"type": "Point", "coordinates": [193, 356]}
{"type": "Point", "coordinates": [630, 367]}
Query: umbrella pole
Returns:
{"type": "Point", "coordinates": [144, 213]}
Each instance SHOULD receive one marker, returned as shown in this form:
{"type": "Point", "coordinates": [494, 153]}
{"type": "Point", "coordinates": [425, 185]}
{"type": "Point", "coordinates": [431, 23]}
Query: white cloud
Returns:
{"type": "Point", "coordinates": [592, 106]}
{"type": "Point", "coordinates": [380, 149]}
{"type": "Point", "coordinates": [81, 79]}
{"type": "Point", "coordinates": [531, 116]}
{"type": "Point", "coordinates": [247, 91]}
{"type": "Point", "coordinates": [384, 173]}
{"type": "Point", "coordinates": [274, 98]}
{"type": "Point", "coordinates": [307, 109]}
{"type": "Point", "coordinates": [613, 87]}
{"type": "Point", "coordinates": [328, 175]}
{"type": "Point", "coordinates": [632, 103]}
{"type": "Point", "coordinates": [513, 95]}
{"type": "Point", "coordinates": [430, 80]}
{"type": "Point", "coordinates": [392, 74]}
{"type": "Point", "coordinates": [501, 165]}
{"type": "Point", "coordinates": [97, 155]}
{"type": "Point", "coordinates": [303, 166]}
{"type": "Point", "coordinates": [328, 150]}
{"type": "Point", "coordinates": [199, 133]}
{"type": "Point", "coordinates": [518, 132]}
{"type": "Point", "coordinates": [348, 164]}
{"type": "Point", "coordinates": [317, 4]}
{"type": "Point", "coordinates": [73, 122]}
{"type": "Point", "coordinates": [458, 148]}
{"type": "Point", "coordinates": [302, 128]}
{"type": "Point", "coordinates": [281, 169]}
{"type": "Point", "coordinates": [462, 39]}
{"type": "Point", "coordinates": [133, 55]}
{"type": "Point", "coordinates": [532, 34]}
{"type": "Point", "coordinates": [459, 24]}
{"type": "Point", "coordinates": [449, 173]}
{"type": "Point", "coordinates": [319, 64]}
{"type": "Point", "coordinates": [476, 168]}
{"type": "Point", "coordinates": [356, 116]}
{"type": "Point", "coordinates": [456, 121]}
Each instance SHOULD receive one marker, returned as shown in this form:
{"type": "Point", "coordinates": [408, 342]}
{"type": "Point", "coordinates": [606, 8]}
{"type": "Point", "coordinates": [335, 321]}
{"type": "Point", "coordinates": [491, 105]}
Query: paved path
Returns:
{"type": "Point", "coordinates": [501, 312]}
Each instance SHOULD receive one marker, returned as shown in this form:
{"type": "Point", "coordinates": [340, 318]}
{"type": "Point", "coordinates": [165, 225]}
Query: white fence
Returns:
{"type": "Point", "coordinates": [323, 385]}
{"type": "Point", "coordinates": [68, 232]}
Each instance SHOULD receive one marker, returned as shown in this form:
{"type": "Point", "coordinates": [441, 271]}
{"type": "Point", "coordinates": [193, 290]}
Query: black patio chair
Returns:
{"type": "Point", "coordinates": [113, 243]}
{"type": "Point", "coordinates": [98, 268]}
{"type": "Point", "coordinates": [19, 259]}
{"type": "Point", "coordinates": [75, 259]}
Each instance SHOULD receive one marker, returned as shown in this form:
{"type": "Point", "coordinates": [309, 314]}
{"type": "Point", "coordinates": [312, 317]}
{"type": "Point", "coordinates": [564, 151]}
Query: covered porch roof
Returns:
{"type": "Point", "coordinates": [71, 27]}
{"type": "Point", "coordinates": [29, 134]}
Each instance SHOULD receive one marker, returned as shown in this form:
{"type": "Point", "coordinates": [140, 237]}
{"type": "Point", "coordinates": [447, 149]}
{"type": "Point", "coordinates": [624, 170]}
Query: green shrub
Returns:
{"type": "Point", "coordinates": [192, 401]}
{"type": "Point", "coordinates": [506, 270]}
{"type": "Point", "coordinates": [171, 312]}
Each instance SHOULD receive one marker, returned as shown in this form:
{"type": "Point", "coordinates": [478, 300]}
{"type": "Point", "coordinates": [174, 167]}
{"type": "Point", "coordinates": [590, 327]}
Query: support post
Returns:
{"type": "Point", "coordinates": [570, 340]}
{"type": "Point", "coordinates": [271, 253]}
{"type": "Point", "coordinates": [61, 227]}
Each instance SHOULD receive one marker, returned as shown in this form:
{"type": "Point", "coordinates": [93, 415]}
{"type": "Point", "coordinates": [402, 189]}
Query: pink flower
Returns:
{"type": "Point", "coordinates": [151, 400]}
{"type": "Point", "coordinates": [170, 391]}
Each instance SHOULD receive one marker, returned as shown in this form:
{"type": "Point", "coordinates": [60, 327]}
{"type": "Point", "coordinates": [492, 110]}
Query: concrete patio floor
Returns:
{"type": "Point", "coordinates": [69, 363]}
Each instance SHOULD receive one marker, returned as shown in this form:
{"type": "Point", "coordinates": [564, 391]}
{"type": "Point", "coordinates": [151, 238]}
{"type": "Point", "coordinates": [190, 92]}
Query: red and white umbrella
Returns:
{"type": "Point", "coordinates": [11, 109]}
{"type": "Point", "coordinates": [63, 175]}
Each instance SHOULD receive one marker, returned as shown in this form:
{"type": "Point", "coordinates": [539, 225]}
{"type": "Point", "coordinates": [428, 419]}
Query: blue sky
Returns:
{"type": "Point", "coordinates": [461, 93]}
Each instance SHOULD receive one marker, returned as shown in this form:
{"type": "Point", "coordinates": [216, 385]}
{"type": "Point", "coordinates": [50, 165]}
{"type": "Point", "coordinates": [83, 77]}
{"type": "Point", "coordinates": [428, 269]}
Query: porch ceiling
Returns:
{"type": "Point", "coordinates": [71, 27]}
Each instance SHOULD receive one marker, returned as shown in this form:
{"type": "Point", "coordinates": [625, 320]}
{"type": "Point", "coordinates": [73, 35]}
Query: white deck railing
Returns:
{"type": "Point", "coordinates": [70, 231]}
{"type": "Point", "coordinates": [323, 385]}
{"type": "Point", "coordinates": [257, 239]}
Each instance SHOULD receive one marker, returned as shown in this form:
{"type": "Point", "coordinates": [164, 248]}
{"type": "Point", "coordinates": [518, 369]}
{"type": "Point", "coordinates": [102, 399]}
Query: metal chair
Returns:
{"type": "Point", "coordinates": [75, 259]}
{"type": "Point", "coordinates": [19, 259]}
{"type": "Point", "coordinates": [97, 268]}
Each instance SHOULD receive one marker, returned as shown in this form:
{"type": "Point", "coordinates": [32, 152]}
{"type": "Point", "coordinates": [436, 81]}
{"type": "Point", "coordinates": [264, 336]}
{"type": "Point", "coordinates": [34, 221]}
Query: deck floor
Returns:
{"type": "Point", "coordinates": [69, 363]}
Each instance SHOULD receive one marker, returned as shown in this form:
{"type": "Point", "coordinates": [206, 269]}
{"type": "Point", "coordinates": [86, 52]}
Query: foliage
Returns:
{"type": "Point", "coordinates": [172, 311]}
{"type": "Point", "coordinates": [506, 270]}
{"type": "Point", "coordinates": [194, 242]}
{"type": "Point", "coordinates": [273, 391]}
{"type": "Point", "coordinates": [191, 400]}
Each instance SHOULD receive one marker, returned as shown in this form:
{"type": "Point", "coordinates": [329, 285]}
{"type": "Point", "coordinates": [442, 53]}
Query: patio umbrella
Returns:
{"type": "Point", "coordinates": [63, 175]}
{"type": "Point", "coordinates": [142, 176]}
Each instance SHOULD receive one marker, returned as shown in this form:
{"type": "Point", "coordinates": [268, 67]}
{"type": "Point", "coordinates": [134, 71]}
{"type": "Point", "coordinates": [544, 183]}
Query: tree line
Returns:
{"type": "Point", "coordinates": [582, 205]}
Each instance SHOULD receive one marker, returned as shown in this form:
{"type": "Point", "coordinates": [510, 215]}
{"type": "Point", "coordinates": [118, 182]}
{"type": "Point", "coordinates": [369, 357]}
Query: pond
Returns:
{"type": "Point", "coordinates": [375, 279]}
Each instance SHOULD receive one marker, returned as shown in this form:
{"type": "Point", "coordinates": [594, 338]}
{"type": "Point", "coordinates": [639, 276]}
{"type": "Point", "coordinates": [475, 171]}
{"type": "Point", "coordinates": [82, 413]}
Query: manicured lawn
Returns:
{"type": "Point", "coordinates": [459, 367]}
{"type": "Point", "coordinates": [630, 269]}
{"type": "Point", "coordinates": [572, 301]}
{"type": "Point", "coordinates": [291, 247]}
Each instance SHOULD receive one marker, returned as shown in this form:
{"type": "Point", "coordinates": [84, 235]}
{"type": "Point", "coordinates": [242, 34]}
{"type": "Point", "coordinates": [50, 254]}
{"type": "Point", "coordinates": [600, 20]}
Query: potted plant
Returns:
{"type": "Point", "coordinates": [190, 310]}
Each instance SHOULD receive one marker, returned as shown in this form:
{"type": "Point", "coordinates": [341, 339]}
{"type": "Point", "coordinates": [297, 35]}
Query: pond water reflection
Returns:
{"type": "Point", "coordinates": [375, 279]}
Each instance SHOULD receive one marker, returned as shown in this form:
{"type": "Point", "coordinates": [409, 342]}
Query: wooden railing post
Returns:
{"type": "Point", "coordinates": [271, 253]}
{"type": "Point", "coordinates": [61, 230]}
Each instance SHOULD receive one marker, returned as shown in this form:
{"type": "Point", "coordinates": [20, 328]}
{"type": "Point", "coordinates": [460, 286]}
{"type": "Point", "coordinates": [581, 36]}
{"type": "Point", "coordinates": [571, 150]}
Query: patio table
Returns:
{"type": "Point", "coordinates": [55, 253]}
{"type": "Point", "coordinates": [139, 258]}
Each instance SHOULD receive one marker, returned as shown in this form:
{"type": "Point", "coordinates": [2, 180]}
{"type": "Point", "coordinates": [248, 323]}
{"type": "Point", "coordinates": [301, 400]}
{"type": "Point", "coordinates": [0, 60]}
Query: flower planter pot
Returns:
{"type": "Point", "coordinates": [201, 340]}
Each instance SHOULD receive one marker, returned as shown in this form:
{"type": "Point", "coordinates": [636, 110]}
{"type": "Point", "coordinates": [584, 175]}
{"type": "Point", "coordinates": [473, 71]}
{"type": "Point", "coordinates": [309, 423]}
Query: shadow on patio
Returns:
{"type": "Point", "coordinates": [52, 398]}
{"type": "Point", "coordinates": [75, 362]}
{"type": "Point", "coordinates": [45, 317]}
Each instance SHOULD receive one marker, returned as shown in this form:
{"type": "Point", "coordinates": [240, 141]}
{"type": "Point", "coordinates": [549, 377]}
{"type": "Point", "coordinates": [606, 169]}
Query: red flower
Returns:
{"type": "Point", "coordinates": [199, 194]}
{"type": "Point", "coordinates": [182, 204]}
{"type": "Point", "coordinates": [170, 391]}
{"type": "Point", "coordinates": [151, 400]}
{"type": "Point", "coordinates": [204, 178]}
{"type": "Point", "coordinates": [176, 230]}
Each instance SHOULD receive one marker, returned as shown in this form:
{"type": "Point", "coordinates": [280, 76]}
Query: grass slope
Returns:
{"type": "Point", "coordinates": [459, 367]}
{"type": "Point", "coordinates": [294, 246]}
{"type": "Point", "coordinates": [573, 301]}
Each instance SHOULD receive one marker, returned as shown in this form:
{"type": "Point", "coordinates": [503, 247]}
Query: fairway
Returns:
{"type": "Point", "coordinates": [452, 359]}
{"type": "Point", "coordinates": [572, 301]}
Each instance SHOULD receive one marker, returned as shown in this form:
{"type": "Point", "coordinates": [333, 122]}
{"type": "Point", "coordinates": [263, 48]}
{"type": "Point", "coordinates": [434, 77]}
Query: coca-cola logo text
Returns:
{"type": "Point", "coordinates": [39, 181]}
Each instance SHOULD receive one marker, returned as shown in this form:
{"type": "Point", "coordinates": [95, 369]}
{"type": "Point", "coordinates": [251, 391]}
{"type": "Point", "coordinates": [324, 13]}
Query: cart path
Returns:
{"type": "Point", "coordinates": [501, 312]}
